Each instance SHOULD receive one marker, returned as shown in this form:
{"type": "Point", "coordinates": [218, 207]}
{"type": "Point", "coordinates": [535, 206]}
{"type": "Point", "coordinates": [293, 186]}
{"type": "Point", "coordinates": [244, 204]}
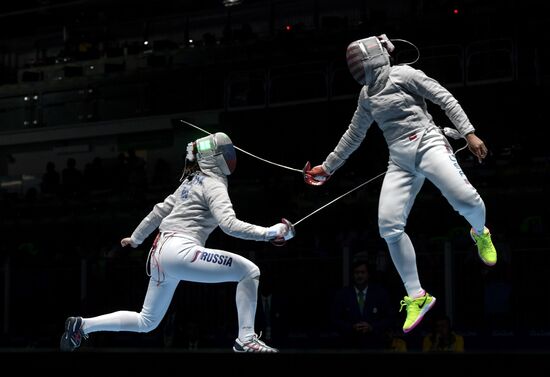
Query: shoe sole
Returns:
{"type": "Point", "coordinates": [421, 316]}
{"type": "Point", "coordinates": [245, 351]}
{"type": "Point", "coordinates": [65, 343]}
{"type": "Point", "coordinates": [485, 262]}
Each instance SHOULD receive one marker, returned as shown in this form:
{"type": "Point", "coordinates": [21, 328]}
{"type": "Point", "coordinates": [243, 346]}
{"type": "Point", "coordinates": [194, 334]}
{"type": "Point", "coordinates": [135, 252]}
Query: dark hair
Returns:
{"type": "Point", "coordinates": [441, 317]}
{"type": "Point", "coordinates": [359, 259]}
{"type": "Point", "coordinates": [359, 262]}
{"type": "Point", "coordinates": [190, 168]}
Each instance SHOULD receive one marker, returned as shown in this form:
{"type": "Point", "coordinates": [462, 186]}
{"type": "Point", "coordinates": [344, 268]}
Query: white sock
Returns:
{"type": "Point", "coordinates": [478, 232]}
{"type": "Point", "coordinates": [404, 259]}
{"type": "Point", "coordinates": [246, 299]}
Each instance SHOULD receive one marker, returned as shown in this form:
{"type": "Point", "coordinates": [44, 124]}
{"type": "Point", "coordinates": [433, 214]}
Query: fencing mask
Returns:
{"type": "Point", "coordinates": [214, 152]}
{"type": "Point", "coordinates": [364, 56]}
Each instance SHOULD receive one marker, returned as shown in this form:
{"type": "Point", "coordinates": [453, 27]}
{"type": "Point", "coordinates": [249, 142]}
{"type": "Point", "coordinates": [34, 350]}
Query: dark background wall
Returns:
{"type": "Point", "coordinates": [78, 81]}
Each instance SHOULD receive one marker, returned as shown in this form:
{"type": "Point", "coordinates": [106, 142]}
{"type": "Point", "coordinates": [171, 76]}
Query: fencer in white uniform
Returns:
{"type": "Point", "coordinates": [395, 98]}
{"type": "Point", "coordinates": [185, 219]}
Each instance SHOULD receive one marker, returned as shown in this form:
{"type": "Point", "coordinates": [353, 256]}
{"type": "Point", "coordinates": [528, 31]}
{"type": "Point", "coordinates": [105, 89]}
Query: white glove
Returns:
{"type": "Point", "coordinates": [276, 231]}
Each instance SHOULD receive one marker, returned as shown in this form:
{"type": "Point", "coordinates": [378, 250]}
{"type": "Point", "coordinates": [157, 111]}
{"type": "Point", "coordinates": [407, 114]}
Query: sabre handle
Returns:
{"type": "Point", "coordinates": [290, 233]}
{"type": "Point", "coordinates": [315, 176]}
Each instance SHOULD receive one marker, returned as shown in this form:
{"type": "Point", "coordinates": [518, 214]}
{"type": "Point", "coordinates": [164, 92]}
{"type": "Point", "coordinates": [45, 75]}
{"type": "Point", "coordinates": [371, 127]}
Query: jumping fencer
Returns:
{"type": "Point", "coordinates": [394, 96]}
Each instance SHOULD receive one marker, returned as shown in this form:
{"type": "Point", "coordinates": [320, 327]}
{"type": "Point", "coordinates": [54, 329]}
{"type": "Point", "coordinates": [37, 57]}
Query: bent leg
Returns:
{"type": "Point", "coordinates": [440, 166]}
{"type": "Point", "coordinates": [206, 265]}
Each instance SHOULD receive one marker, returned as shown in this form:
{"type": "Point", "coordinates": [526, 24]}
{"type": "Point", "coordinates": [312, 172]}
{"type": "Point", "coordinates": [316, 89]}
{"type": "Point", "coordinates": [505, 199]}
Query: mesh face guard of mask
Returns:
{"type": "Point", "coordinates": [364, 55]}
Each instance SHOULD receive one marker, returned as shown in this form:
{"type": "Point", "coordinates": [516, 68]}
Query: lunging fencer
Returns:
{"type": "Point", "coordinates": [185, 219]}
{"type": "Point", "coordinates": [394, 96]}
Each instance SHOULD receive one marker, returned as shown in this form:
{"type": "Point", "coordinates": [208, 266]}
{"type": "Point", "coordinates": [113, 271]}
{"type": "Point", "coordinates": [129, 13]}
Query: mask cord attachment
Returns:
{"type": "Point", "coordinates": [411, 44]}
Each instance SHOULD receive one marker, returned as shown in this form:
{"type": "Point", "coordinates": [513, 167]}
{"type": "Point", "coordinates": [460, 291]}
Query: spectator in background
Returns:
{"type": "Point", "coordinates": [120, 176]}
{"type": "Point", "coordinates": [393, 340]}
{"type": "Point", "coordinates": [442, 338]}
{"type": "Point", "coordinates": [95, 176]}
{"type": "Point", "coordinates": [162, 175]}
{"type": "Point", "coordinates": [137, 175]}
{"type": "Point", "coordinates": [50, 180]}
{"type": "Point", "coordinates": [360, 312]}
{"type": "Point", "coordinates": [71, 179]}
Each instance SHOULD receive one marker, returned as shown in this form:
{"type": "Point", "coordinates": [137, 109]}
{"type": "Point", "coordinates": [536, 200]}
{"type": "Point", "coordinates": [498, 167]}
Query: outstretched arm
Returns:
{"type": "Point", "coordinates": [221, 207]}
{"type": "Point", "coordinates": [349, 142]}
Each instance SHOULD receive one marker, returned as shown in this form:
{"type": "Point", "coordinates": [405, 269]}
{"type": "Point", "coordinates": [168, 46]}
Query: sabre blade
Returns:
{"type": "Point", "coordinates": [248, 153]}
{"type": "Point", "coordinates": [338, 198]}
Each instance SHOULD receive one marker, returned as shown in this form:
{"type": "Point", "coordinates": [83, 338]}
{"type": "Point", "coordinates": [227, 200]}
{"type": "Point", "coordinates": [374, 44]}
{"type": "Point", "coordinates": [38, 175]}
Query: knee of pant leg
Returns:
{"type": "Point", "coordinates": [148, 323]}
{"type": "Point", "coordinates": [390, 232]}
{"type": "Point", "coordinates": [468, 202]}
{"type": "Point", "coordinates": [392, 236]}
{"type": "Point", "coordinates": [253, 272]}
{"type": "Point", "coordinates": [472, 207]}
